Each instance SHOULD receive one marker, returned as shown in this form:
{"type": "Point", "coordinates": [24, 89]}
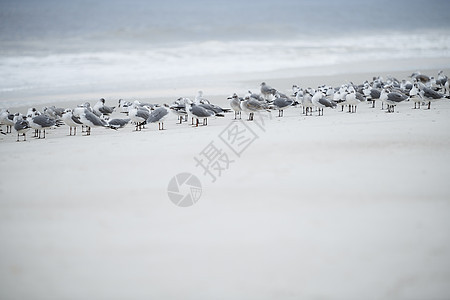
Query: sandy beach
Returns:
{"type": "Point", "coordinates": [342, 206]}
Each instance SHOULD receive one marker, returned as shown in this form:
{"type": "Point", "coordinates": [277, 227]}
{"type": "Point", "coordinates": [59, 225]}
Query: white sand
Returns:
{"type": "Point", "coordinates": [344, 206]}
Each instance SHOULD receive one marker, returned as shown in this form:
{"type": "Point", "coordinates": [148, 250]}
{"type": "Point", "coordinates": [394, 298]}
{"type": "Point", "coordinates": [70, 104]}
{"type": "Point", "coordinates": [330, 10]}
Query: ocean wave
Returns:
{"type": "Point", "coordinates": [90, 71]}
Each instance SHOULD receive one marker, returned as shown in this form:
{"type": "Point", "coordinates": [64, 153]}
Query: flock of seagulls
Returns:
{"type": "Point", "coordinates": [419, 88]}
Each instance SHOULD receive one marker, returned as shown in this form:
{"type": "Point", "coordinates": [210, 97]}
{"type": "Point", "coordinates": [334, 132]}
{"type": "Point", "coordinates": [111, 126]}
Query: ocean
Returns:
{"type": "Point", "coordinates": [57, 48]}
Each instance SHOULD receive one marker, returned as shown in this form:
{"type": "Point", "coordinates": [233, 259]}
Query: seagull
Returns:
{"type": "Point", "coordinates": [340, 95]}
{"type": "Point", "coordinates": [420, 77]}
{"type": "Point", "coordinates": [7, 119]}
{"type": "Point", "coordinates": [267, 90]}
{"type": "Point", "coordinates": [282, 103]}
{"type": "Point", "coordinates": [124, 106]}
{"type": "Point", "coordinates": [199, 98]}
{"type": "Point", "coordinates": [146, 105]}
{"type": "Point", "coordinates": [319, 101]}
{"type": "Point", "coordinates": [374, 95]}
{"type": "Point", "coordinates": [391, 99]}
{"type": "Point", "coordinates": [138, 115]}
{"type": "Point", "coordinates": [305, 98]}
{"type": "Point", "coordinates": [353, 98]}
{"type": "Point", "coordinates": [371, 93]}
{"type": "Point", "coordinates": [179, 108]}
{"type": "Point", "coordinates": [200, 112]}
{"type": "Point", "coordinates": [251, 105]}
{"type": "Point", "coordinates": [159, 115]}
{"type": "Point", "coordinates": [298, 94]}
{"type": "Point", "coordinates": [235, 103]}
{"type": "Point", "coordinates": [53, 112]}
{"type": "Point", "coordinates": [33, 112]}
{"type": "Point", "coordinates": [41, 122]}
{"type": "Point", "coordinates": [429, 95]}
{"type": "Point", "coordinates": [442, 78]}
{"type": "Point", "coordinates": [21, 125]}
{"type": "Point", "coordinates": [406, 85]}
{"type": "Point", "coordinates": [215, 108]}
{"type": "Point", "coordinates": [89, 119]}
{"type": "Point", "coordinates": [414, 94]}
{"type": "Point", "coordinates": [71, 121]}
{"type": "Point", "coordinates": [256, 96]}
{"type": "Point", "coordinates": [101, 109]}
{"type": "Point", "coordinates": [118, 123]}
{"type": "Point", "coordinates": [201, 101]}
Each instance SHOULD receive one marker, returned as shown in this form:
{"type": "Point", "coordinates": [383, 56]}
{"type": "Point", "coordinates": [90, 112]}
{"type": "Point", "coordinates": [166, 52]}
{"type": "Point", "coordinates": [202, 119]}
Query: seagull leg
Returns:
{"type": "Point", "coordinates": [429, 105]}
{"type": "Point", "coordinates": [17, 137]}
{"type": "Point", "coordinates": [24, 137]}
